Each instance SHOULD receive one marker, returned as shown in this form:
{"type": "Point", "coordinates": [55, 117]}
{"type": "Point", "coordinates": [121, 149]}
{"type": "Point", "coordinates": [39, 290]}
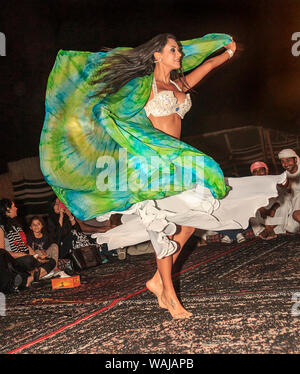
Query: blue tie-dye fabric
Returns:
{"type": "Point", "coordinates": [80, 132]}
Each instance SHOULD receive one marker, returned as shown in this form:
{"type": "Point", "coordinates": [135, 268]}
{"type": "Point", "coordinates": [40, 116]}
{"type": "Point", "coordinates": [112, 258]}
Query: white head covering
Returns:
{"type": "Point", "coordinates": [286, 153]}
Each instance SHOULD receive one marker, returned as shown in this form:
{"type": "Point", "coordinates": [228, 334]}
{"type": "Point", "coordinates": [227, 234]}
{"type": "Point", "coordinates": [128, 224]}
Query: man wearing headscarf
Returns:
{"type": "Point", "coordinates": [290, 162]}
{"type": "Point", "coordinates": [269, 220]}
{"type": "Point", "coordinates": [259, 168]}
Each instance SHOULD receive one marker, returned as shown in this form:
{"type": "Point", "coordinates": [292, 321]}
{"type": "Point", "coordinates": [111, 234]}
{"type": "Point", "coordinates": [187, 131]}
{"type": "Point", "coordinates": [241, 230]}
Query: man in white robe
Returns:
{"type": "Point", "coordinates": [269, 220]}
{"type": "Point", "coordinates": [291, 163]}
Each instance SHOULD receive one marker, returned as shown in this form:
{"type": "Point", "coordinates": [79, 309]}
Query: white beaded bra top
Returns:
{"type": "Point", "coordinates": [165, 103]}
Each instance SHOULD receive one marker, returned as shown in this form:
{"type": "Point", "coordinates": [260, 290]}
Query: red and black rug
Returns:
{"type": "Point", "coordinates": [243, 298]}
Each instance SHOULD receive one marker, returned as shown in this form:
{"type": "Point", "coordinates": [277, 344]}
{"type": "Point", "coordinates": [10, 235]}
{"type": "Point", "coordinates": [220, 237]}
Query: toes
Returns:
{"type": "Point", "coordinates": [182, 315]}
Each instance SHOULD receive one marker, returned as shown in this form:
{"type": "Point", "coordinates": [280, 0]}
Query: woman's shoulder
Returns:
{"type": "Point", "coordinates": [2, 229]}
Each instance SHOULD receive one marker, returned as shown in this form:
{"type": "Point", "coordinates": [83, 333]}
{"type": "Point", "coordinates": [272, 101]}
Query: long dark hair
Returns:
{"type": "Point", "coordinates": [53, 221]}
{"type": "Point", "coordinates": [120, 67]}
{"type": "Point", "coordinates": [5, 205]}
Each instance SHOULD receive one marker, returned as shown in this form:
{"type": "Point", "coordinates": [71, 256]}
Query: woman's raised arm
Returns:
{"type": "Point", "coordinates": [201, 71]}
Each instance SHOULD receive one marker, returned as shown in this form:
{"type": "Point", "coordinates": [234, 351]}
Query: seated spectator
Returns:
{"type": "Point", "coordinates": [40, 241]}
{"type": "Point", "coordinates": [259, 168]}
{"type": "Point", "coordinates": [70, 233]}
{"type": "Point", "coordinates": [290, 162]}
{"type": "Point", "coordinates": [14, 241]}
{"type": "Point", "coordinates": [224, 236]}
{"type": "Point", "coordinates": [266, 223]}
{"type": "Point", "coordinates": [232, 235]}
{"type": "Point", "coordinates": [65, 230]}
{"type": "Point", "coordinates": [257, 223]}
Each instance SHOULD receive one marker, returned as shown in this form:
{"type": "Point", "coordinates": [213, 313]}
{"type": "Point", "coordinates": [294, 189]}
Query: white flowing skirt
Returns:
{"type": "Point", "coordinates": [155, 220]}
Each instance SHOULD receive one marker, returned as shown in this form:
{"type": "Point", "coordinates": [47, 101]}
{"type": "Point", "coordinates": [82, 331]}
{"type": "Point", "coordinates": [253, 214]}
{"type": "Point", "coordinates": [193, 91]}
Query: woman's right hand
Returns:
{"type": "Point", "coordinates": [61, 216]}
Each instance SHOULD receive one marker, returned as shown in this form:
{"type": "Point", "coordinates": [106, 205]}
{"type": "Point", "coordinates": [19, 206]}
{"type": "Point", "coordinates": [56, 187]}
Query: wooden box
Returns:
{"type": "Point", "coordinates": [69, 282]}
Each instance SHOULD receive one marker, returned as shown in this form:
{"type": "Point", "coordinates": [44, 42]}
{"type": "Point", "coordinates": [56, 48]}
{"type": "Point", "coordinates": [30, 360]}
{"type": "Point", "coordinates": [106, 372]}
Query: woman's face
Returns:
{"type": "Point", "coordinates": [170, 55]}
{"type": "Point", "coordinates": [12, 211]}
{"type": "Point", "coordinates": [36, 226]}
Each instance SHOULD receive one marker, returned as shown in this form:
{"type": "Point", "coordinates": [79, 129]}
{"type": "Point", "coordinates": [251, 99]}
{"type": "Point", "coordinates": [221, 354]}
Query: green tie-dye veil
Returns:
{"type": "Point", "coordinates": [91, 149]}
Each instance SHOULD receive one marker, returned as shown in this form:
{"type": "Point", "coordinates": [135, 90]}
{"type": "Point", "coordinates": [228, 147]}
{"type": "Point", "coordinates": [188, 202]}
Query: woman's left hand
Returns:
{"type": "Point", "coordinates": [231, 45]}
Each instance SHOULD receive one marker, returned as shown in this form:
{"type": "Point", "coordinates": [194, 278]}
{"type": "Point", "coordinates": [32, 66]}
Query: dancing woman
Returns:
{"type": "Point", "coordinates": [165, 108]}
{"type": "Point", "coordinates": [130, 101]}
{"type": "Point", "coordinates": [139, 95]}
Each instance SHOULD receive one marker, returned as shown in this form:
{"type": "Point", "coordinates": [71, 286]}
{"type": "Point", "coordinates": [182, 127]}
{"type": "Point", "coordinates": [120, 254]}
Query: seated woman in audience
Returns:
{"type": "Point", "coordinates": [14, 240]}
{"type": "Point", "coordinates": [70, 233]}
{"type": "Point", "coordinates": [63, 227]}
{"type": "Point", "coordinates": [41, 242]}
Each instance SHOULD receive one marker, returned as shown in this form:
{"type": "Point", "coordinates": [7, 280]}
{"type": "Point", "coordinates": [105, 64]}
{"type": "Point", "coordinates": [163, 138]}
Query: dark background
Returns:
{"type": "Point", "coordinates": [260, 86]}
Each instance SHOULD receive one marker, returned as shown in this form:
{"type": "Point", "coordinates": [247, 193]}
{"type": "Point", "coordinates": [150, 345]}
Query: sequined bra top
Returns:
{"type": "Point", "coordinates": [165, 103]}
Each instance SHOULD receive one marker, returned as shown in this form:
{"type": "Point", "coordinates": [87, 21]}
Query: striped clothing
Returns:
{"type": "Point", "coordinates": [15, 239]}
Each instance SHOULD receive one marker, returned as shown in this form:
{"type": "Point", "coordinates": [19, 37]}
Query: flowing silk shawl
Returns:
{"type": "Point", "coordinates": [102, 155]}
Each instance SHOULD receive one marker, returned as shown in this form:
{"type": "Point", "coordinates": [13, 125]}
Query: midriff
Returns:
{"type": "Point", "coordinates": [170, 125]}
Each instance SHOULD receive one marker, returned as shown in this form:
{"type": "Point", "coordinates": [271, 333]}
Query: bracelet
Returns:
{"type": "Point", "coordinates": [230, 52]}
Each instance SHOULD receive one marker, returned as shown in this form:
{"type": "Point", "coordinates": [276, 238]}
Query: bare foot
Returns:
{"type": "Point", "coordinates": [156, 287]}
{"type": "Point", "coordinates": [200, 243]}
{"type": "Point", "coordinates": [267, 235]}
{"type": "Point", "coordinates": [176, 310]}
{"type": "Point", "coordinates": [29, 279]}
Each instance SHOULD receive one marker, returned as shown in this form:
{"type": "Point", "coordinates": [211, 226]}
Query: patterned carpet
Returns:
{"type": "Point", "coordinates": [240, 296]}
